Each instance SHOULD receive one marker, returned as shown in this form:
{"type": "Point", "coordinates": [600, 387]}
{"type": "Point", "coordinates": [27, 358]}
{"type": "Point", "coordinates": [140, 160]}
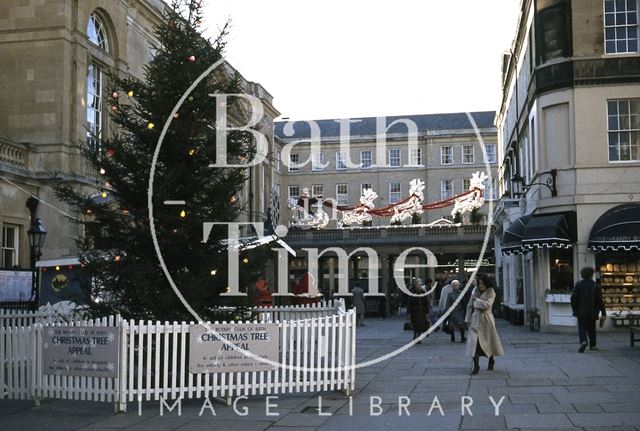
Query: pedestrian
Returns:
{"type": "Point", "coordinates": [483, 339]}
{"type": "Point", "coordinates": [418, 308]}
{"type": "Point", "coordinates": [586, 303]}
{"type": "Point", "coordinates": [358, 303]}
{"type": "Point", "coordinates": [456, 318]}
{"type": "Point", "coordinates": [442, 301]}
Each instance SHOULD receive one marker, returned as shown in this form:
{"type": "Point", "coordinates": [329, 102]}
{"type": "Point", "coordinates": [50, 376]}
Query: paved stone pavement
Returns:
{"type": "Point", "coordinates": [545, 382]}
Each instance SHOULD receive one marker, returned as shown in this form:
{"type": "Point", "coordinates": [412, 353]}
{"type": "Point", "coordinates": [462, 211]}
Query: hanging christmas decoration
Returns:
{"type": "Point", "coordinates": [474, 199]}
{"type": "Point", "coordinates": [191, 58]}
{"type": "Point", "coordinates": [115, 95]}
{"type": "Point", "coordinates": [111, 152]}
{"type": "Point", "coordinates": [307, 212]}
{"type": "Point", "coordinates": [130, 93]}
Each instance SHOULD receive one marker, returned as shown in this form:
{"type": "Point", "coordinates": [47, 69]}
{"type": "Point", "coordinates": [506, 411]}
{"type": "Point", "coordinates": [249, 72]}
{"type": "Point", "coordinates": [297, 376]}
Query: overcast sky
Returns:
{"type": "Point", "coordinates": [354, 58]}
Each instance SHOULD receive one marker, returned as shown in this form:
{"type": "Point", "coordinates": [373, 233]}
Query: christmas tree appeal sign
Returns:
{"type": "Point", "coordinates": [221, 348]}
{"type": "Point", "coordinates": [80, 351]}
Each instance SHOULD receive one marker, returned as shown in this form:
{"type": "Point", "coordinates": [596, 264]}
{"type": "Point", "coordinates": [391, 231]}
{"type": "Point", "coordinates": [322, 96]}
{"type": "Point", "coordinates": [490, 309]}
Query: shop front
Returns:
{"type": "Point", "coordinates": [538, 260]}
{"type": "Point", "coordinates": [615, 240]}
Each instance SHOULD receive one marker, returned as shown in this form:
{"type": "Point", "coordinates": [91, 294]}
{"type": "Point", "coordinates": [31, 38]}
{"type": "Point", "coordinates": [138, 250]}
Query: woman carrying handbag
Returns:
{"type": "Point", "coordinates": [483, 339]}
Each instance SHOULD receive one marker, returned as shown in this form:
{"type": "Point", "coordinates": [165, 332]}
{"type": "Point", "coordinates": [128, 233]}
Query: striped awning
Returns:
{"type": "Point", "coordinates": [617, 229]}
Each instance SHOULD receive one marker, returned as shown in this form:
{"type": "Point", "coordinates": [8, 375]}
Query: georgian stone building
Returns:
{"type": "Point", "coordinates": [569, 154]}
{"type": "Point", "coordinates": [449, 150]}
{"type": "Point", "coordinates": [56, 55]}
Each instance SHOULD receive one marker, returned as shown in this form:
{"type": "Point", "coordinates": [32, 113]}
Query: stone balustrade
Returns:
{"type": "Point", "coordinates": [14, 155]}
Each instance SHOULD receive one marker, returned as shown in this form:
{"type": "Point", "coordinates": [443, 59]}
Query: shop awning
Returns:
{"type": "Point", "coordinates": [512, 238]}
{"type": "Point", "coordinates": [547, 231]}
{"type": "Point", "coordinates": [617, 229]}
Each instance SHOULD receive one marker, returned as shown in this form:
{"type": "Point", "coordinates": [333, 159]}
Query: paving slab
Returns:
{"type": "Point", "coordinates": [545, 382]}
{"type": "Point", "coordinates": [545, 421]}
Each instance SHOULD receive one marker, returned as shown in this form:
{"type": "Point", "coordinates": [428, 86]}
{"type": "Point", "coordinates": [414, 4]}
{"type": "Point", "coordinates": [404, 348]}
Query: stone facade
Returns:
{"type": "Point", "coordinates": [46, 54]}
{"type": "Point", "coordinates": [559, 83]}
{"type": "Point", "coordinates": [455, 248]}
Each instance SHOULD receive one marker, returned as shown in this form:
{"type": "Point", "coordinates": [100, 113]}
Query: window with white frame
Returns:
{"type": "Point", "coordinates": [294, 192]}
{"type": "Point", "coordinates": [317, 161]}
{"type": "Point", "coordinates": [96, 32]}
{"type": "Point", "coordinates": [366, 159]}
{"type": "Point", "coordinates": [490, 189]}
{"type": "Point", "coordinates": [624, 130]}
{"type": "Point", "coordinates": [342, 194]}
{"type": "Point", "coordinates": [446, 189]}
{"type": "Point", "coordinates": [467, 154]}
{"type": "Point", "coordinates": [446, 155]}
{"type": "Point", "coordinates": [10, 245]}
{"type": "Point", "coordinates": [415, 156]}
{"type": "Point", "coordinates": [395, 192]}
{"type": "Point", "coordinates": [94, 105]}
{"type": "Point", "coordinates": [341, 157]}
{"type": "Point", "coordinates": [490, 149]}
{"type": "Point", "coordinates": [466, 184]}
{"type": "Point", "coordinates": [363, 187]}
{"type": "Point", "coordinates": [97, 35]}
{"type": "Point", "coordinates": [294, 159]}
{"type": "Point", "coordinates": [317, 191]}
{"type": "Point", "coordinates": [394, 157]}
{"type": "Point", "coordinates": [620, 26]}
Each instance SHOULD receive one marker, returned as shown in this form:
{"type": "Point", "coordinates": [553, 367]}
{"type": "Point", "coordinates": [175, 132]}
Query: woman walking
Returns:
{"type": "Point", "coordinates": [418, 309]}
{"type": "Point", "coordinates": [483, 339]}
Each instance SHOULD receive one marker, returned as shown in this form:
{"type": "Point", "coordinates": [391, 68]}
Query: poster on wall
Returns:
{"type": "Point", "coordinates": [214, 352]}
{"type": "Point", "coordinates": [15, 286]}
{"type": "Point", "coordinates": [88, 351]}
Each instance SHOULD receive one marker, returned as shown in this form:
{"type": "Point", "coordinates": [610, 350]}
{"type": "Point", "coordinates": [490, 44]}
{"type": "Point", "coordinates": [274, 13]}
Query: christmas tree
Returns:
{"type": "Point", "coordinates": [116, 248]}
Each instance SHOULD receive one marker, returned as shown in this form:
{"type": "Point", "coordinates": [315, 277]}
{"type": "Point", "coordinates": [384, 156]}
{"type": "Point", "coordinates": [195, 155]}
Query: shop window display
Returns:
{"type": "Point", "coordinates": [561, 270]}
{"type": "Point", "coordinates": [619, 275]}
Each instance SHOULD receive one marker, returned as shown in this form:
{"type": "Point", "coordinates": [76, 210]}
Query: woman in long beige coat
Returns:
{"type": "Point", "coordinates": [483, 339]}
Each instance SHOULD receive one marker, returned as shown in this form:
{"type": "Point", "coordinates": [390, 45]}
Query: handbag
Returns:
{"type": "Point", "coordinates": [446, 327]}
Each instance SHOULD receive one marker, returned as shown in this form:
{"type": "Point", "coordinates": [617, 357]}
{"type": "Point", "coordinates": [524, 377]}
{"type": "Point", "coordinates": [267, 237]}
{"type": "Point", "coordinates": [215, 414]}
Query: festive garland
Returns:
{"type": "Point", "coordinates": [363, 212]}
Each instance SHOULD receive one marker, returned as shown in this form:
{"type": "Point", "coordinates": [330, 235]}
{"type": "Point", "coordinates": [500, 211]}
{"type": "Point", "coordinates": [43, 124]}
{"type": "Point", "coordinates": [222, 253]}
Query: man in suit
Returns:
{"type": "Point", "coordinates": [587, 303]}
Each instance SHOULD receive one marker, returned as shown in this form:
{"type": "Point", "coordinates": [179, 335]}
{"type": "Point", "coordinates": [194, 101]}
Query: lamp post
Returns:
{"type": "Point", "coordinates": [550, 183]}
{"type": "Point", "coordinates": [37, 234]}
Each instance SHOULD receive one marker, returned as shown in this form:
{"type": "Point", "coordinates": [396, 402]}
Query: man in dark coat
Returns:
{"type": "Point", "coordinates": [419, 307]}
{"type": "Point", "coordinates": [586, 303]}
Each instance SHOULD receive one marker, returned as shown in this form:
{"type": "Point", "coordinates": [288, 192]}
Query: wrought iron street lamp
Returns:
{"type": "Point", "coordinates": [550, 182]}
{"type": "Point", "coordinates": [37, 234]}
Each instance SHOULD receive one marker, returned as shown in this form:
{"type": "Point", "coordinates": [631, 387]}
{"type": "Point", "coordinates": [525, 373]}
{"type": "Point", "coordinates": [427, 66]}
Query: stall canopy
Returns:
{"type": "Point", "coordinates": [512, 238]}
{"type": "Point", "coordinates": [547, 231]}
{"type": "Point", "coordinates": [617, 229]}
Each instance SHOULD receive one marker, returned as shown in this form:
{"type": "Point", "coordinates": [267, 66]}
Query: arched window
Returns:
{"type": "Point", "coordinates": [97, 33]}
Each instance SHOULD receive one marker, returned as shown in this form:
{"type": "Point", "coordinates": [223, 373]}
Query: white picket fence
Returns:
{"type": "Point", "coordinates": [21, 318]}
{"type": "Point", "coordinates": [316, 354]}
{"type": "Point", "coordinates": [296, 312]}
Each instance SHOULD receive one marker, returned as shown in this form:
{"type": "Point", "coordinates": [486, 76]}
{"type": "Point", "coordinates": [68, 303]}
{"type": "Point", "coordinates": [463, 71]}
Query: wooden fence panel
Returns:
{"type": "Point", "coordinates": [316, 353]}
